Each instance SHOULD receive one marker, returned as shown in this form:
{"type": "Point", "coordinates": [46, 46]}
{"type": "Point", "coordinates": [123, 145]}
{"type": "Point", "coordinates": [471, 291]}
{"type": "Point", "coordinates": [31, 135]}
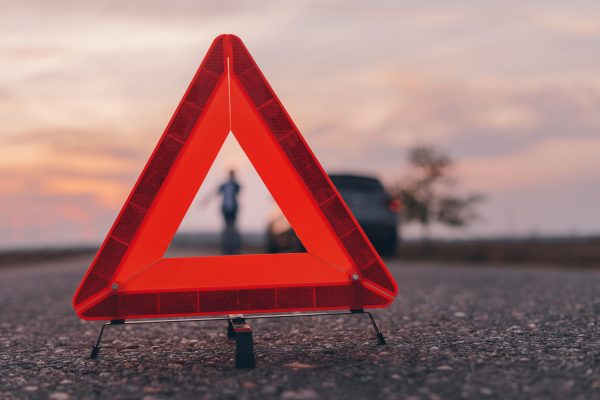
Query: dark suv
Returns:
{"type": "Point", "coordinates": [372, 206]}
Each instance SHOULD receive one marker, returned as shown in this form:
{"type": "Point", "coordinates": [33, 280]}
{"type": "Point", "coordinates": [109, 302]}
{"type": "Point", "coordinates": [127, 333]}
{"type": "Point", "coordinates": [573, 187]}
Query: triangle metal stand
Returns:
{"type": "Point", "coordinates": [238, 329]}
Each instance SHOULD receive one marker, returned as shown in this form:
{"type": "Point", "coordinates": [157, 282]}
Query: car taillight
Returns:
{"type": "Point", "coordinates": [395, 205]}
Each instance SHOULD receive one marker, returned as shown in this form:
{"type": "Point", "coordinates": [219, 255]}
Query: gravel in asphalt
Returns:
{"type": "Point", "coordinates": [465, 332]}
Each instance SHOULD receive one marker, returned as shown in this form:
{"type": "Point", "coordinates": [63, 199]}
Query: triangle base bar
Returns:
{"type": "Point", "coordinates": [240, 330]}
{"type": "Point", "coordinates": [128, 305]}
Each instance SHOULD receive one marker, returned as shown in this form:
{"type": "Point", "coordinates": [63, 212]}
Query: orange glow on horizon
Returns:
{"type": "Point", "coordinates": [86, 91]}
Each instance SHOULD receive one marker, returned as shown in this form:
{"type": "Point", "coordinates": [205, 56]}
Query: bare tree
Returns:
{"type": "Point", "coordinates": [428, 193]}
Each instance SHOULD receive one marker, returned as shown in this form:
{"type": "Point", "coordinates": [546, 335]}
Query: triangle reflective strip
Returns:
{"type": "Point", "coordinates": [129, 278]}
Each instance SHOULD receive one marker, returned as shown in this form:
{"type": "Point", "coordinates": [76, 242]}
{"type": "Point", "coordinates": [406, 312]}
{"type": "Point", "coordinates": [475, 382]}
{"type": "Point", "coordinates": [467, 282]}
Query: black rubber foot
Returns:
{"type": "Point", "coordinates": [95, 351]}
{"type": "Point", "coordinates": [243, 361]}
{"type": "Point", "coordinates": [380, 338]}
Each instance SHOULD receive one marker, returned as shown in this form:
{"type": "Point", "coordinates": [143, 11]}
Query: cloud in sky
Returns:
{"type": "Point", "coordinates": [511, 90]}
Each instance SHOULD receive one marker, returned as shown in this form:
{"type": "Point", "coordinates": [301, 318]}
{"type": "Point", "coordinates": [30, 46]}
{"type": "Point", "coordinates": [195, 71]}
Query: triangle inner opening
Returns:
{"type": "Point", "coordinates": [253, 224]}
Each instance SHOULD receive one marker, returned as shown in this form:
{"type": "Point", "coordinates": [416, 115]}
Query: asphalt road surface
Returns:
{"type": "Point", "coordinates": [472, 332]}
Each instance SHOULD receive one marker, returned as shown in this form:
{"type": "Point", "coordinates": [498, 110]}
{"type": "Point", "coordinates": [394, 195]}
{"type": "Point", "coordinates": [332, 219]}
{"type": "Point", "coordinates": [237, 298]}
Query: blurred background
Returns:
{"type": "Point", "coordinates": [479, 119]}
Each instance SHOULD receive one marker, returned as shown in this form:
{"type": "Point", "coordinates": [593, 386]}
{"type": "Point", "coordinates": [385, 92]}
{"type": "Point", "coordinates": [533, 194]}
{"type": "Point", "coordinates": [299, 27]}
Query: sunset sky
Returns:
{"type": "Point", "coordinates": [510, 89]}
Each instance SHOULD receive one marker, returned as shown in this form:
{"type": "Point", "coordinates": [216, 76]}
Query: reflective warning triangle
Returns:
{"type": "Point", "coordinates": [129, 278]}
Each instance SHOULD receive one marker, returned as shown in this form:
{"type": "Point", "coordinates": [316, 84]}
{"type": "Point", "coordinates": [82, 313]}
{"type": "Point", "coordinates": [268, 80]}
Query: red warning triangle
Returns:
{"type": "Point", "coordinates": [129, 278]}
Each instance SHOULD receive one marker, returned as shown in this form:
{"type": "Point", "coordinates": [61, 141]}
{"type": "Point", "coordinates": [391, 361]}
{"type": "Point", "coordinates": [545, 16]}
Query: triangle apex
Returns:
{"type": "Point", "coordinates": [229, 36]}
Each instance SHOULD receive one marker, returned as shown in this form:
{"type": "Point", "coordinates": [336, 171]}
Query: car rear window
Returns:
{"type": "Point", "coordinates": [357, 184]}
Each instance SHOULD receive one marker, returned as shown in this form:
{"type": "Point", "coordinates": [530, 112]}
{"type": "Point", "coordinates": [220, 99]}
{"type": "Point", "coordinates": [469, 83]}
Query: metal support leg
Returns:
{"type": "Point", "coordinates": [378, 333]}
{"type": "Point", "coordinates": [244, 345]}
{"type": "Point", "coordinates": [96, 348]}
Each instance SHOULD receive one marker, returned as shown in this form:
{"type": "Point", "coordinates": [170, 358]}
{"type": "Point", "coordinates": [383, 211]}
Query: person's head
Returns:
{"type": "Point", "coordinates": [231, 175]}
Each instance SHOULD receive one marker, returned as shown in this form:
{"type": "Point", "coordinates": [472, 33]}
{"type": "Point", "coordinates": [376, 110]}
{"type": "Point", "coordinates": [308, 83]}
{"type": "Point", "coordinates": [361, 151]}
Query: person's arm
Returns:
{"type": "Point", "coordinates": [208, 199]}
